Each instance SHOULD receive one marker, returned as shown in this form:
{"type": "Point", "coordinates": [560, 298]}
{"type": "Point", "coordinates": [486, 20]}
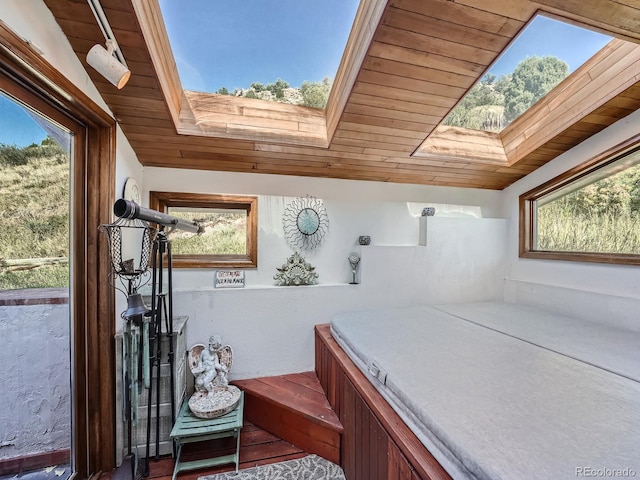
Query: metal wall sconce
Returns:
{"type": "Point", "coordinates": [108, 62]}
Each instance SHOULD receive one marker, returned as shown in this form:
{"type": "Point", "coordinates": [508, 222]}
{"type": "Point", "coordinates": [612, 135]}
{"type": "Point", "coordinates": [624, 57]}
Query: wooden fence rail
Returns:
{"type": "Point", "coordinates": [15, 265]}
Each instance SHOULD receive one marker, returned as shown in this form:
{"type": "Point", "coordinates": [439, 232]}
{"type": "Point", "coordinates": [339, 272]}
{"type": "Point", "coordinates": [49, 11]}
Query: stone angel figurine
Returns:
{"type": "Point", "coordinates": [210, 366]}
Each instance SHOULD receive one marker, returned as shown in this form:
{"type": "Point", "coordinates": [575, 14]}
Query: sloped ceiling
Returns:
{"type": "Point", "coordinates": [407, 64]}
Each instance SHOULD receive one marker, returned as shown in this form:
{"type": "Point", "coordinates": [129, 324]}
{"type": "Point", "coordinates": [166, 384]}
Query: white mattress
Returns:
{"type": "Point", "coordinates": [490, 405]}
{"type": "Point", "coordinates": [604, 346]}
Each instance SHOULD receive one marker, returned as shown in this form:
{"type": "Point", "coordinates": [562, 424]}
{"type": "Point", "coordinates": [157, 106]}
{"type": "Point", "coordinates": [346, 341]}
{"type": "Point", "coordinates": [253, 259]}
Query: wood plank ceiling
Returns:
{"type": "Point", "coordinates": [408, 62]}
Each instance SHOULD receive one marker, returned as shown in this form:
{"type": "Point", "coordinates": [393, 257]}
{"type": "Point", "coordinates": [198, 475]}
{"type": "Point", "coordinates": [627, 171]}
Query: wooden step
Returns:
{"type": "Point", "coordinates": [295, 408]}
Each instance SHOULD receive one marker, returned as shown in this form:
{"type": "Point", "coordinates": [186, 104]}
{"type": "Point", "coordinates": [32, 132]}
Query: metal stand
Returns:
{"type": "Point", "coordinates": [161, 309]}
{"type": "Point", "coordinates": [133, 372]}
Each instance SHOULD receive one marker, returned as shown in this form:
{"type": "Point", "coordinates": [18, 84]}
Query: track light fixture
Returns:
{"type": "Point", "coordinates": [108, 62]}
{"type": "Point", "coordinates": [107, 65]}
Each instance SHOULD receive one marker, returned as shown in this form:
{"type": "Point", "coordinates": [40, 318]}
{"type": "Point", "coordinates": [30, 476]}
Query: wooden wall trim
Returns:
{"type": "Point", "coordinates": [93, 319]}
{"type": "Point", "coordinates": [334, 368]}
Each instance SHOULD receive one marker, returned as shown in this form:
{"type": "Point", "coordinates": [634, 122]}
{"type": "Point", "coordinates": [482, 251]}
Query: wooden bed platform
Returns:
{"type": "Point", "coordinates": [376, 443]}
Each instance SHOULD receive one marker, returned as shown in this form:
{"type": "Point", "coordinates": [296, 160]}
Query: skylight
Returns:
{"type": "Point", "coordinates": [262, 49]}
{"type": "Point", "coordinates": [544, 54]}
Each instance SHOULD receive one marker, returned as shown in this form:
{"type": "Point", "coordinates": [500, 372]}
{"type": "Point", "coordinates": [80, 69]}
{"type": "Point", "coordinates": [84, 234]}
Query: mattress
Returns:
{"type": "Point", "coordinates": [597, 343]}
{"type": "Point", "coordinates": [491, 405]}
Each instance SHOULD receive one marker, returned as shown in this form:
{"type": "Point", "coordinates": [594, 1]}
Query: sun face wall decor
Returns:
{"type": "Point", "coordinates": [305, 223]}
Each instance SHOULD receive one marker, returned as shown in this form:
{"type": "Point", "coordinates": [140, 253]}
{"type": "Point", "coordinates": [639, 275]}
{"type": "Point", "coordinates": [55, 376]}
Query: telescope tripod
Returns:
{"type": "Point", "coordinates": [161, 312]}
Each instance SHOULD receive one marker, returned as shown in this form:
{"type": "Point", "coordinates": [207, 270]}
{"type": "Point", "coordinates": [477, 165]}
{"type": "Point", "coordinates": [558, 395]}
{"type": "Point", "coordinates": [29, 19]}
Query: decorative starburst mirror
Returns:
{"type": "Point", "coordinates": [305, 223]}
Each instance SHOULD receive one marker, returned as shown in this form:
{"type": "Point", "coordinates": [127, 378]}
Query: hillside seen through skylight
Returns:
{"type": "Point", "coordinates": [543, 55]}
{"type": "Point", "coordinates": [282, 51]}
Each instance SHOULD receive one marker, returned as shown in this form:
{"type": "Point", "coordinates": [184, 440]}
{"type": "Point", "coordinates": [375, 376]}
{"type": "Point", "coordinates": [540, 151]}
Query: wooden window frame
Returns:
{"type": "Point", "coordinates": [527, 206]}
{"type": "Point", "coordinates": [161, 201]}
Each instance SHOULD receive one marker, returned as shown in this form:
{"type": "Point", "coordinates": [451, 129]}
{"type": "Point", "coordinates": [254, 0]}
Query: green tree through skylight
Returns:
{"type": "Point", "coordinates": [492, 105]}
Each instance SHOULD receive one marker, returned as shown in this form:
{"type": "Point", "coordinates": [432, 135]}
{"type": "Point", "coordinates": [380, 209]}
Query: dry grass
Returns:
{"type": "Point", "coordinates": [34, 207]}
{"type": "Point", "coordinates": [225, 234]}
{"type": "Point", "coordinates": [561, 230]}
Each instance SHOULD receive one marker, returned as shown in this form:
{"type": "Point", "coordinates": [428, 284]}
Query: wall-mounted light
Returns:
{"type": "Point", "coordinates": [108, 62]}
{"type": "Point", "coordinates": [107, 65]}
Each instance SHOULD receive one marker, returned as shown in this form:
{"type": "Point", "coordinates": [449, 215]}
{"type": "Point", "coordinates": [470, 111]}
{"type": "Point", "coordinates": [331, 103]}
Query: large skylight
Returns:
{"type": "Point", "coordinates": [227, 46]}
{"type": "Point", "coordinates": [545, 53]}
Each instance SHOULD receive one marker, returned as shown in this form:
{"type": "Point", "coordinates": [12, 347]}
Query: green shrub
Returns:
{"type": "Point", "coordinates": [12, 156]}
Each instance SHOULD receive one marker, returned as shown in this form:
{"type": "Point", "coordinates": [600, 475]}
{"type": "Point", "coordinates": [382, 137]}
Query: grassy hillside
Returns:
{"type": "Point", "coordinates": [34, 208]}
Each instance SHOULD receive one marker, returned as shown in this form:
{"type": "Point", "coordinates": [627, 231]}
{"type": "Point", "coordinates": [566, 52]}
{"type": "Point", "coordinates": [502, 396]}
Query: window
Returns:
{"type": "Point", "coordinates": [230, 237]}
{"type": "Point", "coordinates": [590, 214]}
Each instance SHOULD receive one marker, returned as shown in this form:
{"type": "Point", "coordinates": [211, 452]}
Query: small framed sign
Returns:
{"type": "Point", "coordinates": [229, 279]}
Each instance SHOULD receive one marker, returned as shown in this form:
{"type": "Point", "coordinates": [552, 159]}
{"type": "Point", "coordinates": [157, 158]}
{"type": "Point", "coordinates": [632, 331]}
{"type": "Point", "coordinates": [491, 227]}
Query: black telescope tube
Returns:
{"type": "Point", "coordinates": [131, 210]}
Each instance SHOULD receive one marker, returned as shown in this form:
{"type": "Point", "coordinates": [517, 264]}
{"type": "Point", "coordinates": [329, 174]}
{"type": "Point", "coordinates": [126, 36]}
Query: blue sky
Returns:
{"type": "Point", "coordinates": [16, 127]}
{"type": "Point", "coordinates": [545, 36]}
{"type": "Point", "coordinates": [234, 43]}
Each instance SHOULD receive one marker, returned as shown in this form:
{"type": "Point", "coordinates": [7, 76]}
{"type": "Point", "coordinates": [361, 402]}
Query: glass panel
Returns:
{"type": "Point", "coordinates": [285, 52]}
{"type": "Point", "coordinates": [543, 55]}
{"type": "Point", "coordinates": [225, 232]}
{"type": "Point", "coordinates": [35, 421]}
{"type": "Point", "coordinates": [600, 213]}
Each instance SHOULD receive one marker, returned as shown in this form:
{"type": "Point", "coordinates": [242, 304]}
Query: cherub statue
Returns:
{"type": "Point", "coordinates": [210, 366]}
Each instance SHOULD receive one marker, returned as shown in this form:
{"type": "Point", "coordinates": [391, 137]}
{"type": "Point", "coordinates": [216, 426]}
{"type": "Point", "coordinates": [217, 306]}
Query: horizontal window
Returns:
{"type": "Point", "coordinates": [590, 214]}
{"type": "Point", "coordinates": [229, 237]}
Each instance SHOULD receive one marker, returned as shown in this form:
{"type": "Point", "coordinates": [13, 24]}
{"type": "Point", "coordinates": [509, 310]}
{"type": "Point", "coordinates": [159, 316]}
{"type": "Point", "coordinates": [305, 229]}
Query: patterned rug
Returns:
{"type": "Point", "coordinates": [310, 467]}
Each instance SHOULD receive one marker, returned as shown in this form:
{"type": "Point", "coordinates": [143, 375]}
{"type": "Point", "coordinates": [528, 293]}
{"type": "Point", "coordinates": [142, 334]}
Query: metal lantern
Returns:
{"type": "Point", "coordinates": [130, 244]}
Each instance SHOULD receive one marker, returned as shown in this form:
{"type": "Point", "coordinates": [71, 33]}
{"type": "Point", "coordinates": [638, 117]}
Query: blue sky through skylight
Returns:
{"type": "Point", "coordinates": [230, 43]}
{"type": "Point", "coordinates": [545, 36]}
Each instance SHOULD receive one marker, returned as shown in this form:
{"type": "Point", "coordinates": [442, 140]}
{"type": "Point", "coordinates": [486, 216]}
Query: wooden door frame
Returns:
{"type": "Point", "coordinates": [92, 298]}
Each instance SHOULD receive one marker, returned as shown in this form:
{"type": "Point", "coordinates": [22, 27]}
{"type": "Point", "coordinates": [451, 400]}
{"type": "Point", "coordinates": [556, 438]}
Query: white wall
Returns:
{"type": "Point", "coordinates": [529, 279]}
{"type": "Point", "coordinates": [36, 385]}
{"type": "Point", "coordinates": [271, 328]}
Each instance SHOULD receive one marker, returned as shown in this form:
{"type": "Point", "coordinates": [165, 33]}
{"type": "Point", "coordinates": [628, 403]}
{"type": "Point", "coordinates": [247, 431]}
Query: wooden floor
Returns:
{"type": "Point", "coordinates": [257, 447]}
{"type": "Point", "coordinates": [293, 407]}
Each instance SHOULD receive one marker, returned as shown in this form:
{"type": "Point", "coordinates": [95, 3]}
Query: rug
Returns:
{"type": "Point", "coordinates": [310, 467]}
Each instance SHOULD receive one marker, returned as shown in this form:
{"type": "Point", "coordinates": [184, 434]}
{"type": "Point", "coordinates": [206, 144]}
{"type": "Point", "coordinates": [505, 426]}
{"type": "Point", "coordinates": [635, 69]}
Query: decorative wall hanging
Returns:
{"type": "Point", "coordinates": [305, 223]}
{"type": "Point", "coordinates": [296, 271]}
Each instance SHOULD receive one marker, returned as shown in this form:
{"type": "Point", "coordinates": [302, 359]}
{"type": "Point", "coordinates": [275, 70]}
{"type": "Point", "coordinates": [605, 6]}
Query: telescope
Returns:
{"type": "Point", "coordinates": [131, 210]}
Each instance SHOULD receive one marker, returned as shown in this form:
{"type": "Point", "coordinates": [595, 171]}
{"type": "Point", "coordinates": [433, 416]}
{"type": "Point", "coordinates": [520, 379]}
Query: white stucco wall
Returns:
{"type": "Point", "coordinates": [271, 328]}
{"type": "Point", "coordinates": [36, 382]}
